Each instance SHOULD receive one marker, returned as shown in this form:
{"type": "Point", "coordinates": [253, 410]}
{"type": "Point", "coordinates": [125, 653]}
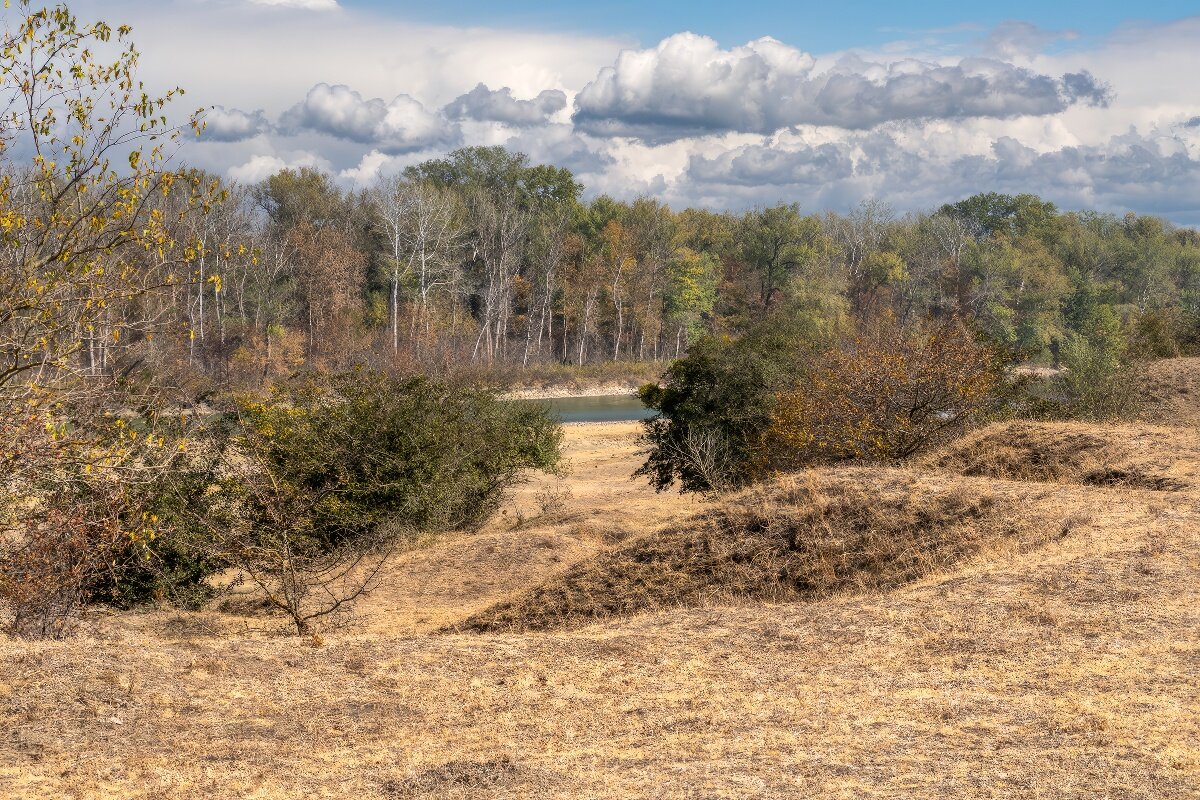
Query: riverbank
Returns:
{"type": "Point", "coordinates": [611, 389]}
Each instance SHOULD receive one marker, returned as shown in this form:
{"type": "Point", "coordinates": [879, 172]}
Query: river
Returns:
{"type": "Point", "coordinates": [604, 408]}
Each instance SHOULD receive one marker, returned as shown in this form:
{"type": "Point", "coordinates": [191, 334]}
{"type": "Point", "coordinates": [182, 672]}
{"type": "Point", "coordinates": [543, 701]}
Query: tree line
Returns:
{"type": "Point", "coordinates": [483, 258]}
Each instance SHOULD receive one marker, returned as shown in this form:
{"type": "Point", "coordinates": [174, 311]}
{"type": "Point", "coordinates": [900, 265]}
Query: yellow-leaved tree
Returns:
{"type": "Point", "coordinates": [885, 393]}
{"type": "Point", "coordinates": [87, 243]}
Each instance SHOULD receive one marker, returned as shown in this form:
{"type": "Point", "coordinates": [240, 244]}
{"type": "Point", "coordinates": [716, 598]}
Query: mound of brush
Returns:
{"type": "Point", "coordinates": [800, 537]}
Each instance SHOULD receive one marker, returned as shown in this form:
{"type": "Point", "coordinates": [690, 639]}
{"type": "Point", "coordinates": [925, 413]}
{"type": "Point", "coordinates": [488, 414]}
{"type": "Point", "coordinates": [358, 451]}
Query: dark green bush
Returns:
{"type": "Point", "coordinates": [409, 451]}
{"type": "Point", "coordinates": [357, 452]}
{"type": "Point", "coordinates": [715, 405]}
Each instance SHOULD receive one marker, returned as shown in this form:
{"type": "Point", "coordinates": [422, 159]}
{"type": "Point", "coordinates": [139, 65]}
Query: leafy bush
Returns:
{"type": "Point", "coordinates": [1102, 364]}
{"type": "Point", "coordinates": [1101, 380]}
{"type": "Point", "coordinates": [886, 393]}
{"type": "Point", "coordinates": [161, 569]}
{"type": "Point", "coordinates": [410, 451]}
{"type": "Point", "coordinates": [307, 492]}
{"type": "Point", "coordinates": [714, 405]}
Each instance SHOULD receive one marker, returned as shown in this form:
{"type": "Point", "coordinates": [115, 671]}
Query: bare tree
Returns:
{"type": "Point", "coordinates": [861, 233]}
{"type": "Point", "coordinates": [423, 225]}
{"type": "Point", "coordinates": [261, 525]}
{"type": "Point", "coordinates": [328, 274]}
{"type": "Point", "coordinates": [707, 453]}
{"type": "Point", "coordinates": [501, 227]}
{"type": "Point", "coordinates": [550, 249]}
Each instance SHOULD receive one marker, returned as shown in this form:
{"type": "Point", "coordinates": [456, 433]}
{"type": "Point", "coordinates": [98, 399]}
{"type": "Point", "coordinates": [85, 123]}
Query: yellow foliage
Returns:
{"type": "Point", "coordinates": [885, 394]}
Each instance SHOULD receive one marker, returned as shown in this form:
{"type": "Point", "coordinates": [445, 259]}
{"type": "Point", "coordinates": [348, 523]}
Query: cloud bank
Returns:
{"type": "Point", "coordinates": [1109, 122]}
{"type": "Point", "coordinates": [484, 104]}
{"type": "Point", "coordinates": [688, 86]}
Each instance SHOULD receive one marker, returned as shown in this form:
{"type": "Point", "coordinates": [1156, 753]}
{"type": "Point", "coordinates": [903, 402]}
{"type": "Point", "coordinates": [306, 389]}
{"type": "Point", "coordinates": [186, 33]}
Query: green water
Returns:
{"type": "Point", "coordinates": [611, 408]}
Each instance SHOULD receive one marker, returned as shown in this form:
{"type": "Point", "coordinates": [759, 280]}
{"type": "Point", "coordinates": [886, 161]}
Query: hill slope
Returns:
{"type": "Point", "coordinates": [990, 656]}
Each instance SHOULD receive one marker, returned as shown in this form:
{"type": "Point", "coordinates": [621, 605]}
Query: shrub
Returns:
{"type": "Point", "coordinates": [1159, 333]}
{"type": "Point", "coordinates": [45, 571]}
{"type": "Point", "coordinates": [1101, 380]}
{"type": "Point", "coordinates": [311, 489]}
{"type": "Point", "coordinates": [410, 451]}
{"type": "Point", "coordinates": [886, 393]}
{"type": "Point", "coordinates": [714, 405]}
{"type": "Point", "coordinates": [74, 509]}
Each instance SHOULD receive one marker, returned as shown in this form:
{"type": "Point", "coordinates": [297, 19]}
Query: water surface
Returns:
{"type": "Point", "coordinates": [604, 408]}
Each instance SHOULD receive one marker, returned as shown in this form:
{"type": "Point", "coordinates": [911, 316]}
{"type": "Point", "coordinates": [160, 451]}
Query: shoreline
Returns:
{"type": "Point", "coordinates": [563, 392]}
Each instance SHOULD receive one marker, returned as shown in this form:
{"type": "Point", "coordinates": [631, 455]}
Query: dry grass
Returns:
{"type": "Point", "coordinates": [1018, 662]}
{"type": "Point", "coordinates": [1137, 456]}
{"type": "Point", "coordinates": [1172, 392]}
{"type": "Point", "coordinates": [800, 537]}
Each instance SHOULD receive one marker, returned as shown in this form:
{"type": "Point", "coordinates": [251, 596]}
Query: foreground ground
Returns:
{"type": "Point", "coordinates": [1060, 659]}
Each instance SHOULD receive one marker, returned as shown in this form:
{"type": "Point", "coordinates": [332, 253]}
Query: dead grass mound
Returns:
{"type": "Point", "coordinates": [800, 537]}
{"type": "Point", "coordinates": [1134, 456]}
{"type": "Point", "coordinates": [1171, 393]}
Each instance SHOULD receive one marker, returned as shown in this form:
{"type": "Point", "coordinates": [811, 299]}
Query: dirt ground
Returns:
{"type": "Point", "coordinates": [1070, 669]}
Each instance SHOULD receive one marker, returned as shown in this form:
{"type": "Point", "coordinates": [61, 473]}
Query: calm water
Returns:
{"type": "Point", "coordinates": [619, 408]}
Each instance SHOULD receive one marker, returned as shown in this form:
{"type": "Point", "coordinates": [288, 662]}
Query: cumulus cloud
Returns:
{"type": "Point", "coordinates": [484, 104]}
{"type": "Point", "coordinates": [562, 146]}
{"type": "Point", "coordinates": [368, 170]}
{"type": "Point", "coordinates": [759, 165]}
{"type": "Point", "coordinates": [260, 167]}
{"type": "Point", "coordinates": [233, 125]}
{"type": "Point", "coordinates": [689, 86]}
{"type": "Point", "coordinates": [1149, 173]}
{"type": "Point", "coordinates": [400, 125]}
{"type": "Point", "coordinates": [1194, 122]}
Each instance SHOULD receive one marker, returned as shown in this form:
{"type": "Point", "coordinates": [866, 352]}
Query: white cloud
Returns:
{"type": "Point", "coordinates": [482, 103]}
{"type": "Point", "coordinates": [232, 125]}
{"type": "Point", "coordinates": [260, 167]}
{"type": "Point", "coordinates": [368, 170]}
{"type": "Point", "coordinates": [925, 121]}
{"type": "Point", "coordinates": [395, 126]}
{"type": "Point", "coordinates": [268, 59]}
{"type": "Point", "coordinates": [1019, 39]}
{"type": "Point", "coordinates": [1150, 173]}
{"type": "Point", "coordinates": [687, 85]}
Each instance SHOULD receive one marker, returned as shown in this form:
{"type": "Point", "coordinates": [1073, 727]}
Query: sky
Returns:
{"type": "Point", "coordinates": [721, 105]}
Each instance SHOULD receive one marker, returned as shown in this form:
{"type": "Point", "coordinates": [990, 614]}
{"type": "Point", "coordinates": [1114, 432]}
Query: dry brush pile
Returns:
{"type": "Point", "coordinates": [837, 530]}
{"type": "Point", "coordinates": [798, 538]}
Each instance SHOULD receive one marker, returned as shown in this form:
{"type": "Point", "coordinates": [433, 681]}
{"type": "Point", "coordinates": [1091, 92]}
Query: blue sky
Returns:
{"type": "Point", "coordinates": [819, 26]}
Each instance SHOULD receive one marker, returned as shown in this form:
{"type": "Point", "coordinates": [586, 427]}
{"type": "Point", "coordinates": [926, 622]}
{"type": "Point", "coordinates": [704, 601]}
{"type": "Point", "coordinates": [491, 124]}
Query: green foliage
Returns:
{"type": "Point", "coordinates": [1101, 379]}
{"type": "Point", "coordinates": [714, 405]}
{"type": "Point", "coordinates": [373, 448]}
{"type": "Point", "coordinates": [777, 241]}
{"type": "Point", "coordinates": [691, 291]}
{"type": "Point", "coordinates": [291, 197]}
{"type": "Point", "coordinates": [500, 172]}
{"type": "Point", "coordinates": [160, 570]}
{"type": "Point", "coordinates": [993, 212]}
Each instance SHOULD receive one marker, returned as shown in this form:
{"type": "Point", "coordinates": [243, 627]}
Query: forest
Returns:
{"type": "Point", "coordinates": [486, 260]}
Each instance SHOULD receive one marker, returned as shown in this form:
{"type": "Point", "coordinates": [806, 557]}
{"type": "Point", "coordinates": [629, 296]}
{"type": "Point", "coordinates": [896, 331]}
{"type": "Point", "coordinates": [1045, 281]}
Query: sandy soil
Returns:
{"type": "Point", "coordinates": [555, 392]}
